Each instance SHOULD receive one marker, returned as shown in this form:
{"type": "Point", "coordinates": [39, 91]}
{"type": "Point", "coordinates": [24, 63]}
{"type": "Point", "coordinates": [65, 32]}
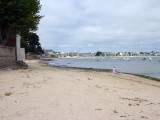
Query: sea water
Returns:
{"type": "Point", "coordinates": [149, 66]}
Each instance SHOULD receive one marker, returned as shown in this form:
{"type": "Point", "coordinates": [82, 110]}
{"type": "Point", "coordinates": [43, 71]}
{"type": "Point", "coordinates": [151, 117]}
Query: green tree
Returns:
{"type": "Point", "coordinates": [98, 53]}
{"type": "Point", "coordinates": [24, 44]}
{"type": "Point", "coordinates": [18, 16]}
{"type": "Point", "coordinates": [34, 44]}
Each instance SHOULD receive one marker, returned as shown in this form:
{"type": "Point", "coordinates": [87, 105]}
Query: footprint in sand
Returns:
{"type": "Point", "coordinates": [98, 109]}
{"type": "Point", "coordinates": [28, 76]}
{"type": "Point", "coordinates": [114, 90]}
{"type": "Point", "coordinates": [115, 111]}
{"type": "Point", "coordinates": [97, 86]}
{"type": "Point", "coordinates": [11, 87]}
{"type": "Point", "coordinates": [135, 99]}
{"type": "Point", "coordinates": [133, 104]}
{"type": "Point", "coordinates": [151, 104]}
{"type": "Point", "coordinates": [144, 117]}
{"type": "Point", "coordinates": [106, 89]}
{"type": "Point", "coordinates": [89, 79]}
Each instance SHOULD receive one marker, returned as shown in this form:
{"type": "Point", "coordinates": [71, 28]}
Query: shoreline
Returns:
{"type": "Point", "coordinates": [102, 70]}
{"type": "Point", "coordinates": [45, 92]}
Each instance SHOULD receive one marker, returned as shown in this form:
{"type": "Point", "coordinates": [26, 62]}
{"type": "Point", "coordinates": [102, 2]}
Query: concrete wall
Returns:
{"type": "Point", "coordinates": [7, 56]}
{"type": "Point", "coordinates": [21, 54]}
{"type": "Point", "coordinates": [20, 51]}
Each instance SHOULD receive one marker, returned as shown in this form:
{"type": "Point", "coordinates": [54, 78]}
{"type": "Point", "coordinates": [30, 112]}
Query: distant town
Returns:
{"type": "Point", "coordinates": [51, 53]}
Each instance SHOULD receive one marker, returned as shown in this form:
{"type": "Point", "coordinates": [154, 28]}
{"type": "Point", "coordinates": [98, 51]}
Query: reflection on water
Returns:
{"type": "Point", "coordinates": [138, 65]}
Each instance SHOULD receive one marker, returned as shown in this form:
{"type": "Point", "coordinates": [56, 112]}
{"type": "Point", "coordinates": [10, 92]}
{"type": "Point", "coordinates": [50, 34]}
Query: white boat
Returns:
{"type": "Point", "coordinates": [126, 59]}
{"type": "Point", "coordinates": [150, 59]}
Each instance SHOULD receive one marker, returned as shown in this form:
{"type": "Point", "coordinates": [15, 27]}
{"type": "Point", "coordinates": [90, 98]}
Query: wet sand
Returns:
{"type": "Point", "coordinates": [42, 92]}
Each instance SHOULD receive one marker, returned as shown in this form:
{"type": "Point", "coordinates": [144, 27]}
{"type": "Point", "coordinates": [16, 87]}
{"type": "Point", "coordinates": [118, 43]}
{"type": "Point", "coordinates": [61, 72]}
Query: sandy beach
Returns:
{"type": "Point", "coordinates": [42, 92]}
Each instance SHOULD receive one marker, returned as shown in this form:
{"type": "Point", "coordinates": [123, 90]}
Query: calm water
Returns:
{"type": "Point", "coordinates": [136, 65]}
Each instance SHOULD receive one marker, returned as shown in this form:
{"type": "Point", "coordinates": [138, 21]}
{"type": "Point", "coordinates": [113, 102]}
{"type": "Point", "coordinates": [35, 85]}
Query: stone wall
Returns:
{"type": "Point", "coordinates": [7, 56]}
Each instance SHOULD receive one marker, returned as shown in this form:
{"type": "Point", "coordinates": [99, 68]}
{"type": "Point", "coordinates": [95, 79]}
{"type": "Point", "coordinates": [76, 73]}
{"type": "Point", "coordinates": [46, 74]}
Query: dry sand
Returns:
{"type": "Point", "coordinates": [49, 93]}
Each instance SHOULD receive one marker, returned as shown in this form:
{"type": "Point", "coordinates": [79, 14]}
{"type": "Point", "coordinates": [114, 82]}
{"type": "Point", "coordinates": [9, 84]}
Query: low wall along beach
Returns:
{"type": "Point", "coordinates": [7, 56]}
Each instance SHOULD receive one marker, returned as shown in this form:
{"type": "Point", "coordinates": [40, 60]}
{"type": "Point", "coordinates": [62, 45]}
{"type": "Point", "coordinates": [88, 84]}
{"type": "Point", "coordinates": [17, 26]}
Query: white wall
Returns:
{"type": "Point", "coordinates": [20, 51]}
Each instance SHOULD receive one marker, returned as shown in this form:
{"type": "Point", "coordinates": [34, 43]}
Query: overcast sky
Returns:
{"type": "Point", "coordinates": [100, 25]}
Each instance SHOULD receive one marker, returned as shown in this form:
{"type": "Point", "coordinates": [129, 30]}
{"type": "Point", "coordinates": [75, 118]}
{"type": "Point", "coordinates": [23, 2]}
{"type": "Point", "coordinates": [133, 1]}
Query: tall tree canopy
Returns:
{"type": "Point", "coordinates": [32, 44]}
{"type": "Point", "coordinates": [19, 16]}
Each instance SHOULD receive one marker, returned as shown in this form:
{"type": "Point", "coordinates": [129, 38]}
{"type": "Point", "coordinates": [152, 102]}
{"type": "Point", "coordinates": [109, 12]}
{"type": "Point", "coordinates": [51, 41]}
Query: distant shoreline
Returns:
{"type": "Point", "coordinates": [108, 57]}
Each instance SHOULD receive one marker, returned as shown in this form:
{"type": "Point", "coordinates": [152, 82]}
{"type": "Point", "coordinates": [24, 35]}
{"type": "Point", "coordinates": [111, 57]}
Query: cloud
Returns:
{"type": "Point", "coordinates": [92, 25]}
